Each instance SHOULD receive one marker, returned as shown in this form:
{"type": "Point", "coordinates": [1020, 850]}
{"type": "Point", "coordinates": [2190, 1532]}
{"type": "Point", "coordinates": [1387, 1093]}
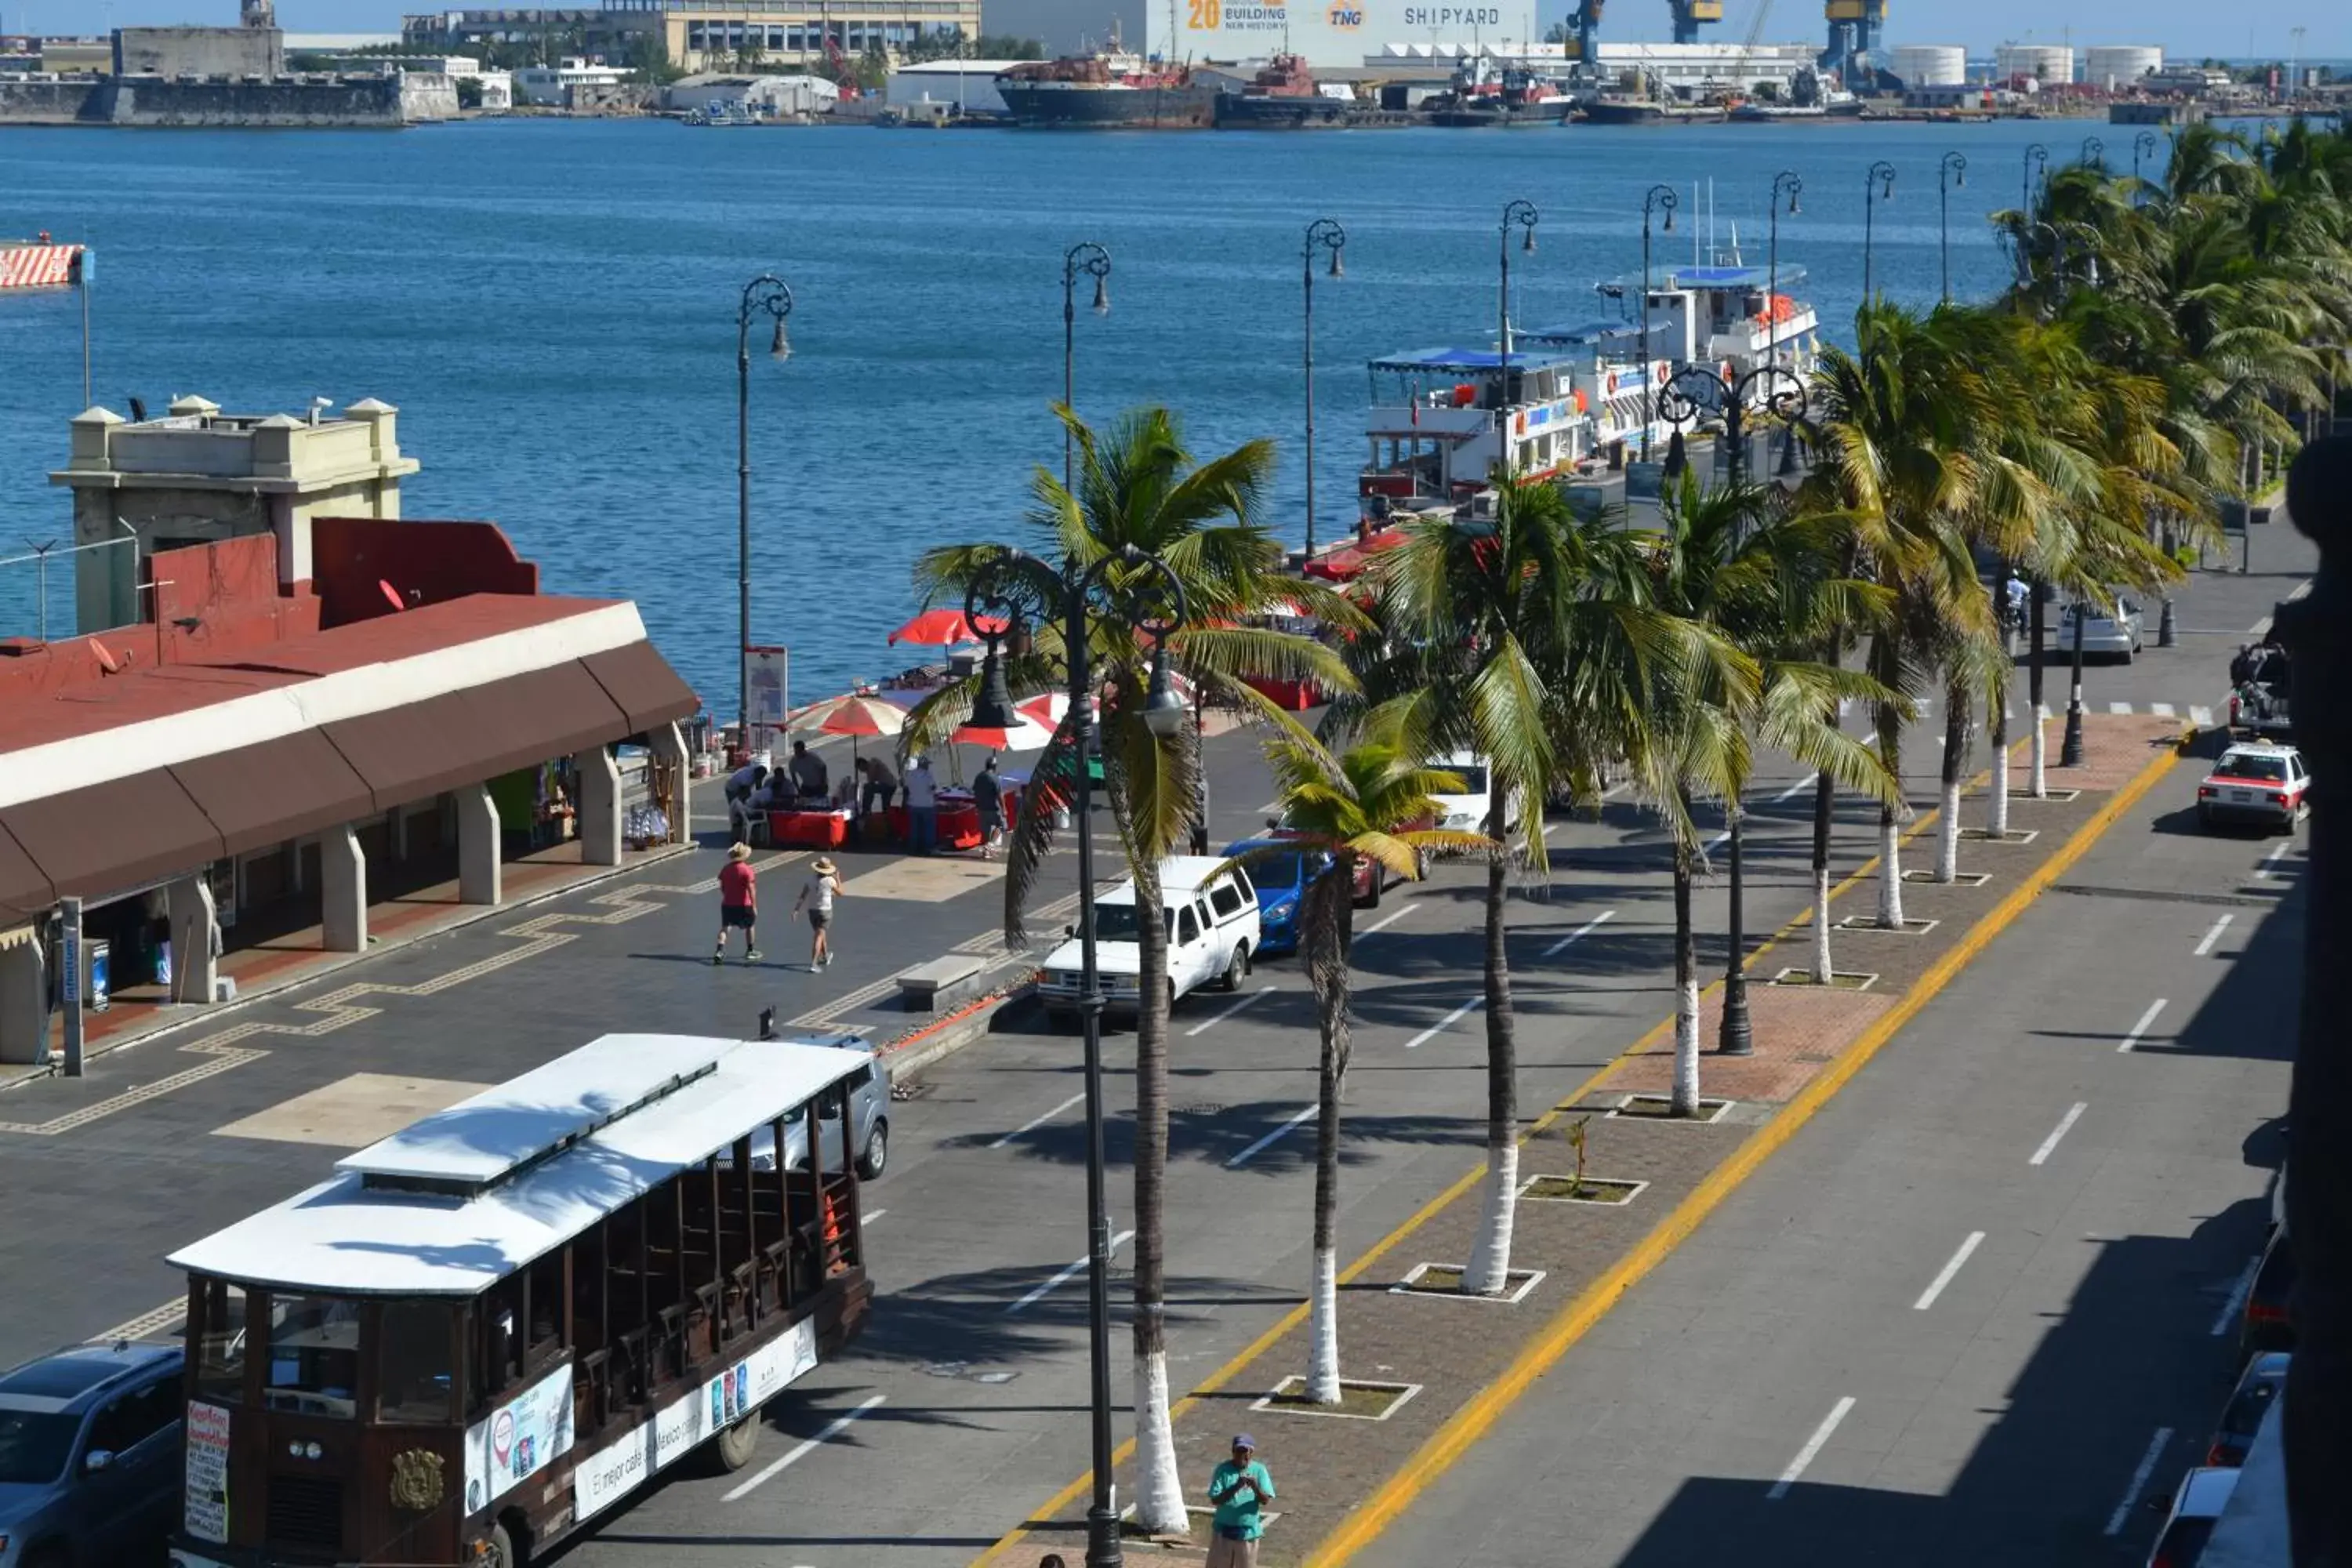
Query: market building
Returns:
{"type": "Point", "coordinates": [308, 714]}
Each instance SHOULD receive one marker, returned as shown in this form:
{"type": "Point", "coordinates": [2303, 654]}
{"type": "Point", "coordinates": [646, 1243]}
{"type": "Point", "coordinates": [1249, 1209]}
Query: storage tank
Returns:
{"type": "Point", "coordinates": [2119, 67]}
{"type": "Point", "coordinates": [1929, 65]}
{"type": "Point", "coordinates": [2051, 63]}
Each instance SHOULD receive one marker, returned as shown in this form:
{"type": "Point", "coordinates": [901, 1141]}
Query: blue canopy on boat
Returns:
{"type": "Point", "coordinates": [1733, 276]}
{"type": "Point", "coordinates": [1453, 360]}
{"type": "Point", "coordinates": [1605, 331]}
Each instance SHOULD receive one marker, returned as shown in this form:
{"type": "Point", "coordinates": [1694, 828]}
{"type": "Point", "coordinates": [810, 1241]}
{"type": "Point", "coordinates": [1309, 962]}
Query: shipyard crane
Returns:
{"type": "Point", "coordinates": [1580, 31]}
{"type": "Point", "coordinates": [1689, 15]}
{"type": "Point", "coordinates": [1854, 27]}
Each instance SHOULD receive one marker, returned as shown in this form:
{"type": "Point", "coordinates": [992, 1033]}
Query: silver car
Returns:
{"type": "Point", "coordinates": [869, 1122]}
{"type": "Point", "coordinates": [2106, 633]}
{"type": "Point", "coordinates": [90, 1456]}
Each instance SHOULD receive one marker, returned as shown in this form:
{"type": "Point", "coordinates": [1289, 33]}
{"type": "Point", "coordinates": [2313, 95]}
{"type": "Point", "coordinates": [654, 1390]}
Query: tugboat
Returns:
{"type": "Point", "coordinates": [1484, 96]}
{"type": "Point", "coordinates": [1113, 91]}
{"type": "Point", "coordinates": [1641, 100]}
{"type": "Point", "coordinates": [1285, 96]}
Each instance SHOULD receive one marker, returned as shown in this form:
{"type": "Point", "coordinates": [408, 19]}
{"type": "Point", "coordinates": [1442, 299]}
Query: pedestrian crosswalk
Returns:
{"type": "Point", "coordinates": [2198, 713]}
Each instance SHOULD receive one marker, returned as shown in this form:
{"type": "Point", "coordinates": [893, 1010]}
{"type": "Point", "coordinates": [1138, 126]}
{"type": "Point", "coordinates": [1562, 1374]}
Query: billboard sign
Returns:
{"type": "Point", "coordinates": [1323, 32]}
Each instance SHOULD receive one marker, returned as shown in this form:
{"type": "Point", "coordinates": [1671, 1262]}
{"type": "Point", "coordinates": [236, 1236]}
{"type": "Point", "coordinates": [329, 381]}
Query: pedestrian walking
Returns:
{"type": "Point", "coordinates": [1240, 1487]}
{"type": "Point", "coordinates": [739, 903]}
{"type": "Point", "coordinates": [816, 897]}
{"type": "Point", "coordinates": [922, 806]}
{"type": "Point", "coordinates": [988, 801]}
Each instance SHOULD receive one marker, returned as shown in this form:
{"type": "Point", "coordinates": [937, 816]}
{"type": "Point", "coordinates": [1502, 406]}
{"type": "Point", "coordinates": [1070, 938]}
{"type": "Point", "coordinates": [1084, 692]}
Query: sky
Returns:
{"type": "Point", "coordinates": [2189, 27]}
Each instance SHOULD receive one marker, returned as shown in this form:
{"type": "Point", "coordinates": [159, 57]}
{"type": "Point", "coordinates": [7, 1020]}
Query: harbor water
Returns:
{"type": "Point", "coordinates": [551, 304]}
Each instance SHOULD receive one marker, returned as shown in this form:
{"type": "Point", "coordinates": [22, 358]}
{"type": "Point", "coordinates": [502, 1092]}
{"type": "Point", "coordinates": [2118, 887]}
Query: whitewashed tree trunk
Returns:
{"type": "Point", "coordinates": [1490, 1249]}
{"type": "Point", "coordinates": [1996, 812]}
{"type": "Point", "coordinates": [1822, 972]}
{"type": "Point", "coordinates": [1158, 1489]}
{"type": "Point", "coordinates": [1685, 1094]}
{"type": "Point", "coordinates": [1960, 720]}
{"type": "Point", "coordinates": [1890, 872]}
{"type": "Point", "coordinates": [2039, 782]}
{"type": "Point", "coordinates": [1947, 834]}
{"type": "Point", "coordinates": [1323, 1331]}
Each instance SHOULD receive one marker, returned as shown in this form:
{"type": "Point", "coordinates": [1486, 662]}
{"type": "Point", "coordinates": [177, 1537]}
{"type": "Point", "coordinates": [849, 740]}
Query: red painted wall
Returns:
{"type": "Point", "coordinates": [425, 561]}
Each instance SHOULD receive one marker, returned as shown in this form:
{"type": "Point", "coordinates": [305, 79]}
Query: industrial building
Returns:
{"type": "Point", "coordinates": [1677, 67]}
{"type": "Point", "coordinates": [2120, 68]}
{"type": "Point", "coordinates": [708, 35]}
{"type": "Point", "coordinates": [1929, 65]}
{"type": "Point", "coordinates": [967, 86]}
{"type": "Point", "coordinates": [2049, 64]}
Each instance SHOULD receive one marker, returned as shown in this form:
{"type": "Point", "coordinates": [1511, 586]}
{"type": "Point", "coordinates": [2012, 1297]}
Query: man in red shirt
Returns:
{"type": "Point", "coordinates": [739, 902]}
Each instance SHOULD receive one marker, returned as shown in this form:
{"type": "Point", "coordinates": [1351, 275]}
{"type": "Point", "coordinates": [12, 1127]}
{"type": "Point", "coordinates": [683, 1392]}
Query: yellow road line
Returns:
{"type": "Point", "coordinates": [1470, 1423]}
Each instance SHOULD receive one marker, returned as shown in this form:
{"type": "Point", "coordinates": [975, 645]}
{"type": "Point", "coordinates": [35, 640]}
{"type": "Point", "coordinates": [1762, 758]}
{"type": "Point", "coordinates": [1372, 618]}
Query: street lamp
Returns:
{"type": "Point", "coordinates": [1524, 215]}
{"type": "Point", "coordinates": [1781, 393]}
{"type": "Point", "coordinates": [1786, 180]}
{"type": "Point", "coordinates": [2143, 147]}
{"type": "Point", "coordinates": [1083, 259]}
{"type": "Point", "coordinates": [766, 293]}
{"type": "Point", "coordinates": [1877, 185]}
{"type": "Point", "coordinates": [1135, 592]}
{"type": "Point", "coordinates": [2095, 154]}
{"type": "Point", "coordinates": [2070, 749]}
{"type": "Point", "coordinates": [1953, 171]}
{"type": "Point", "coordinates": [1323, 234]}
{"type": "Point", "coordinates": [1660, 198]}
{"type": "Point", "coordinates": [2037, 157]}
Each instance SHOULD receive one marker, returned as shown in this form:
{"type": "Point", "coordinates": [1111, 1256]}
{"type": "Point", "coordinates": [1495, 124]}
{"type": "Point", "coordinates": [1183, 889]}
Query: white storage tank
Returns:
{"type": "Point", "coordinates": [2117, 67]}
{"type": "Point", "coordinates": [1929, 65]}
{"type": "Point", "coordinates": [2051, 64]}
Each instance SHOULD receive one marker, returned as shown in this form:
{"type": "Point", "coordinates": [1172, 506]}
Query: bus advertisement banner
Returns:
{"type": "Point", "coordinates": [518, 1440]}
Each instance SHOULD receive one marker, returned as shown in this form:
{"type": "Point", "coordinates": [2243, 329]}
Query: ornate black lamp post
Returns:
{"type": "Point", "coordinates": [1877, 185]}
{"type": "Point", "coordinates": [1524, 215]}
{"type": "Point", "coordinates": [2037, 159]}
{"type": "Point", "coordinates": [1952, 172]}
{"type": "Point", "coordinates": [1133, 592]}
{"type": "Point", "coordinates": [2143, 147]}
{"type": "Point", "coordinates": [2070, 749]}
{"type": "Point", "coordinates": [2095, 154]}
{"type": "Point", "coordinates": [1325, 235]}
{"type": "Point", "coordinates": [1083, 259]}
{"type": "Point", "coordinates": [1781, 394]}
{"type": "Point", "coordinates": [1661, 199]}
{"type": "Point", "coordinates": [1785, 181]}
{"type": "Point", "coordinates": [764, 294]}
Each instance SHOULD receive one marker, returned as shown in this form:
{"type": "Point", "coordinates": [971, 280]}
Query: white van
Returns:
{"type": "Point", "coordinates": [1212, 923]}
{"type": "Point", "coordinates": [1467, 811]}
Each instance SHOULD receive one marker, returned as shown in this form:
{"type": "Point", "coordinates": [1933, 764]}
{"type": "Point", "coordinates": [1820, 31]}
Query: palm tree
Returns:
{"type": "Point", "coordinates": [1358, 806]}
{"type": "Point", "coordinates": [1140, 486]}
{"type": "Point", "coordinates": [1536, 650]}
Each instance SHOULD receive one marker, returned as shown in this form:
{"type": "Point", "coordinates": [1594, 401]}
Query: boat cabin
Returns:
{"type": "Point", "coordinates": [1731, 314]}
{"type": "Point", "coordinates": [486, 1329]}
{"type": "Point", "coordinates": [1442, 420]}
{"type": "Point", "coordinates": [1611, 371]}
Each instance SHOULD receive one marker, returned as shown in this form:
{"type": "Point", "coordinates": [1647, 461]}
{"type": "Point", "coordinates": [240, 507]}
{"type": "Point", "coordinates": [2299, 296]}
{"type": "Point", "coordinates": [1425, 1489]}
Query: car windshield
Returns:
{"type": "Point", "coordinates": [1473, 776]}
{"type": "Point", "coordinates": [35, 1446]}
{"type": "Point", "coordinates": [1117, 922]}
{"type": "Point", "coordinates": [1277, 872]}
{"type": "Point", "coordinates": [2240, 765]}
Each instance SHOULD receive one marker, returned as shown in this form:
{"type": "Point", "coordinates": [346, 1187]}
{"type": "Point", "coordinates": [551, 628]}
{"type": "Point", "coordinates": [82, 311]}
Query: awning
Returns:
{"type": "Point", "coordinates": [17, 936]}
{"type": "Point", "coordinates": [643, 686]}
{"type": "Point", "coordinates": [25, 890]}
{"type": "Point", "coordinates": [281, 789]}
{"type": "Point", "coordinates": [37, 265]}
{"type": "Point", "coordinates": [107, 838]}
{"type": "Point", "coordinates": [416, 752]}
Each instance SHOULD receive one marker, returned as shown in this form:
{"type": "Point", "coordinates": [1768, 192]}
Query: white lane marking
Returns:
{"type": "Point", "coordinates": [2119, 708]}
{"type": "Point", "coordinates": [1613, 791]}
{"type": "Point", "coordinates": [1238, 1161]}
{"type": "Point", "coordinates": [1812, 1447]}
{"type": "Point", "coordinates": [1269, 808]}
{"type": "Point", "coordinates": [2161, 710]}
{"type": "Point", "coordinates": [1718, 841]}
{"type": "Point", "coordinates": [1799, 787]}
{"type": "Point", "coordinates": [1548, 829]}
{"type": "Point", "coordinates": [1564, 943]}
{"type": "Point", "coordinates": [2228, 1317]}
{"type": "Point", "coordinates": [2300, 589]}
{"type": "Point", "coordinates": [832, 1429]}
{"type": "Point", "coordinates": [1038, 1120]}
{"type": "Point", "coordinates": [2201, 717]}
{"type": "Point", "coordinates": [1065, 1276]}
{"type": "Point", "coordinates": [1208, 1024]}
{"type": "Point", "coordinates": [1867, 739]}
{"type": "Point", "coordinates": [2214, 935]}
{"type": "Point", "coordinates": [2259, 627]}
{"type": "Point", "coordinates": [1944, 1277]}
{"type": "Point", "coordinates": [2065, 1124]}
{"type": "Point", "coordinates": [2138, 1480]}
{"type": "Point", "coordinates": [1446, 1023]}
{"type": "Point", "coordinates": [2129, 1041]}
{"type": "Point", "coordinates": [2270, 866]}
{"type": "Point", "coordinates": [1385, 922]}
{"type": "Point", "coordinates": [869, 1218]}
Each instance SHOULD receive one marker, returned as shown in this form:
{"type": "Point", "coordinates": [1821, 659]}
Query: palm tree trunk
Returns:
{"type": "Point", "coordinates": [1997, 813]}
{"type": "Point", "coordinates": [1328, 938]}
{"type": "Point", "coordinates": [1160, 1491]}
{"type": "Point", "coordinates": [1890, 842]}
{"type": "Point", "coordinates": [1490, 1249]}
{"type": "Point", "coordinates": [2039, 783]}
{"type": "Point", "coordinates": [1685, 1095]}
{"type": "Point", "coordinates": [1957, 726]}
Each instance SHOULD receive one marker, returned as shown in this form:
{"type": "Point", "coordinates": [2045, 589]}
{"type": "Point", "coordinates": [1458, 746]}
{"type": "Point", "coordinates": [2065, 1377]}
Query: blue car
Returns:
{"type": "Point", "coordinates": [90, 1456]}
{"type": "Point", "coordinates": [1281, 879]}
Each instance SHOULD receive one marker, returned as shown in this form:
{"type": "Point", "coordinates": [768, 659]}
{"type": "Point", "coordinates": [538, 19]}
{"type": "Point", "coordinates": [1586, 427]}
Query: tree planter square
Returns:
{"type": "Point", "coordinates": [1360, 1400]}
{"type": "Point", "coordinates": [1959, 879]}
{"type": "Point", "coordinates": [1602, 1191]}
{"type": "Point", "coordinates": [1130, 1530]}
{"type": "Point", "coordinates": [1870, 923]}
{"type": "Point", "coordinates": [2053, 796]}
{"type": "Point", "coordinates": [1443, 1279]}
{"type": "Point", "coordinates": [1840, 979]}
{"type": "Point", "coordinates": [2014, 835]}
{"type": "Point", "coordinates": [1660, 1108]}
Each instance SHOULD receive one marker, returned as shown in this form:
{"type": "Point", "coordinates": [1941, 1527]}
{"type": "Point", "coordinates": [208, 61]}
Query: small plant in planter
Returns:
{"type": "Point", "coordinates": [1578, 1187]}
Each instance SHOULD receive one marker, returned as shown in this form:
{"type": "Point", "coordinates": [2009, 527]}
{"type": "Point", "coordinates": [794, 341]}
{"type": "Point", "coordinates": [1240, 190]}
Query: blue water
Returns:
{"type": "Point", "coordinates": [551, 304]}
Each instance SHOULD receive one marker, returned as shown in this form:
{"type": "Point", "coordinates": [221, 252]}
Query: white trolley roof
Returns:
{"type": "Point", "coordinates": [460, 1200]}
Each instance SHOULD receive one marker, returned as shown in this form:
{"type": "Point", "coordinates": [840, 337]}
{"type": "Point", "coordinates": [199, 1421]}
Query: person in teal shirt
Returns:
{"type": "Point", "coordinates": [1240, 1487]}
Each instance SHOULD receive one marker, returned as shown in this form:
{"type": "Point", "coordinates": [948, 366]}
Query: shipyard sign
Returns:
{"type": "Point", "coordinates": [1331, 33]}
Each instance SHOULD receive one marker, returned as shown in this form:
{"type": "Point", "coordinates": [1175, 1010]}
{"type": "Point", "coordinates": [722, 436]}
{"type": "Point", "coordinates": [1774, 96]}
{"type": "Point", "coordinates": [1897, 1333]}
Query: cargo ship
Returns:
{"type": "Point", "coordinates": [1111, 91]}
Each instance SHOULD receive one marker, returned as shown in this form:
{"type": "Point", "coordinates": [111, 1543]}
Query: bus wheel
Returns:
{"type": "Point", "coordinates": [733, 1447]}
{"type": "Point", "coordinates": [501, 1554]}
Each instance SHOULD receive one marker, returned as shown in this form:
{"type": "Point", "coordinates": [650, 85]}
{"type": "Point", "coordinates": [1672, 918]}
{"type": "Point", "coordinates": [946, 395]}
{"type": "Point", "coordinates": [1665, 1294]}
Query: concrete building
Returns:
{"type": "Point", "coordinates": [2120, 67]}
{"type": "Point", "coordinates": [968, 85]}
{"type": "Point", "coordinates": [199, 51]}
{"type": "Point", "coordinates": [1929, 65]}
{"type": "Point", "coordinates": [196, 475]}
{"type": "Point", "coordinates": [2049, 64]}
{"type": "Point", "coordinates": [76, 56]}
{"type": "Point", "coordinates": [709, 34]}
{"type": "Point", "coordinates": [557, 86]}
{"type": "Point", "coordinates": [773, 97]}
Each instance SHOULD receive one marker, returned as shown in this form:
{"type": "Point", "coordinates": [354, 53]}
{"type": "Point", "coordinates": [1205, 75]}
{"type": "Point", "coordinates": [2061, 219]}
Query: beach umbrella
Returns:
{"type": "Point", "coordinates": [853, 715]}
{"type": "Point", "coordinates": [941, 627]}
{"type": "Point", "coordinates": [1047, 708]}
{"type": "Point", "coordinates": [1024, 735]}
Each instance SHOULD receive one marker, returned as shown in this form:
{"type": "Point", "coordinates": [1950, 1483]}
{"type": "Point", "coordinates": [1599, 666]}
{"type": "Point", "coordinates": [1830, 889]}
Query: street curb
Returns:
{"type": "Point", "coordinates": [270, 990]}
{"type": "Point", "coordinates": [1467, 1425]}
{"type": "Point", "coordinates": [951, 1034]}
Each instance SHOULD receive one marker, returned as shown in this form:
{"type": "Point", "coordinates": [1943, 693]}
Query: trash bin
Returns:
{"type": "Point", "coordinates": [162, 970]}
{"type": "Point", "coordinates": [100, 962]}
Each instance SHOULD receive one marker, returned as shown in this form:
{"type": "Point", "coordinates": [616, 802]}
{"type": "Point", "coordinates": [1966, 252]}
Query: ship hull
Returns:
{"type": "Point", "coordinates": [1060, 108]}
{"type": "Point", "coordinates": [1607, 113]}
{"type": "Point", "coordinates": [1547, 114]}
{"type": "Point", "coordinates": [1236, 112]}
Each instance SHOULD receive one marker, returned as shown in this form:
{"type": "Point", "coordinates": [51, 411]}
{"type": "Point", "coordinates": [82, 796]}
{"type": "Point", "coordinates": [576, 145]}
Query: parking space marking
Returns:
{"type": "Point", "coordinates": [2227, 1318]}
{"type": "Point", "coordinates": [2270, 865]}
{"type": "Point", "coordinates": [2161, 709]}
{"type": "Point", "coordinates": [1799, 787]}
{"type": "Point", "coordinates": [1207, 1024]}
{"type": "Point", "coordinates": [866, 1219]}
{"type": "Point", "coordinates": [1945, 1275]}
{"type": "Point", "coordinates": [1564, 943]}
{"type": "Point", "coordinates": [2201, 717]}
{"type": "Point", "coordinates": [2129, 1041]}
{"type": "Point", "coordinates": [2214, 935]}
{"type": "Point", "coordinates": [1446, 1023]}
{"type": "Point", "coordinates": [1385, 922]}
{"type": "Point", "coordinates": [832, 1429]}
{"type": "Point", "coordinates": [1814, 1446]}
{"type": "Point", "coordinates": [2065, 1124]}
{"type": "Point", "coordinates": [2138, 1480]}
{"type": "Point", "coordinates": [2259, 627]}
{"type": "Point", "coordinates": [1238, 1161]}
{"type": "Point", "coordinates": [1039, 1120]}
{"type": "Point", "coordinates": [1065, 1276]}
{"type": "Point", "coordinates": [2120, 708]}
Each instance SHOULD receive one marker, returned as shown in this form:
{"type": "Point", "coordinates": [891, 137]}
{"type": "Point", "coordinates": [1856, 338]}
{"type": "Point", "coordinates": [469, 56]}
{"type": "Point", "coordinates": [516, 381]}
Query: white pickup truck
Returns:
{"type": "Point", "coordinates": [1212, 929]}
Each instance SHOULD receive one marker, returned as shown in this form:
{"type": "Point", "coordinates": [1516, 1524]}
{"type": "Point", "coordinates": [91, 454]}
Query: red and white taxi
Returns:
{"type": "Point", "coordinates": [2261, 784]}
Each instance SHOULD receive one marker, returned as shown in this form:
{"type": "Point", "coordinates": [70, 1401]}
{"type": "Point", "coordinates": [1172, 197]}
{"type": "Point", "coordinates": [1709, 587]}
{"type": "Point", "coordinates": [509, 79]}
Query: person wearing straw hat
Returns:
{"type": "Point", "coordinates": [739, 903]}
{"type": "Point", "coordinates": [816, 897]}
{"type": "Point", "coordinates": [1240, 1487]}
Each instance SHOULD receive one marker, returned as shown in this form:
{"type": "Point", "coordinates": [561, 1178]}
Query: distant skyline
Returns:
{"type": "Point", "coordinates": [2180, 26]}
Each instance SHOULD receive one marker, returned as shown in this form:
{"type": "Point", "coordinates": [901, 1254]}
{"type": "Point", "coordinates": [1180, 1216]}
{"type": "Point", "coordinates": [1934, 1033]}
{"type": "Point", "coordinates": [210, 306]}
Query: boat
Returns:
{"type": "Point", "coordinates": [1639, 98]}
{"type": "Point", "coordinates": [1105, 91]}
{"type": "Point", "coordinates": [1809, 97]}
{"type": "Point", "coordinates": [1284, 96]}
{"type": "Point", "coordinates": [1483, 95]}
{"type": "Point", "coordinates": [724, 111]}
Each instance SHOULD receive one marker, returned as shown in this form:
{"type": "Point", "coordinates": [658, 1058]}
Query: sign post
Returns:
{"type": "Point", "coordinates": [69, 981]}
{"type": "Point", "coordinates": [768, 686]}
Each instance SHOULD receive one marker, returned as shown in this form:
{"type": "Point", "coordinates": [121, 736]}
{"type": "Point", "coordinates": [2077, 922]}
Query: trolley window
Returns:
{"type": "Point", "coordinates": [219, 1332]}
{"type": "Point", "coordinates": [314, 1356]}
{"type": "Point", "coordinates": [414, 1370]}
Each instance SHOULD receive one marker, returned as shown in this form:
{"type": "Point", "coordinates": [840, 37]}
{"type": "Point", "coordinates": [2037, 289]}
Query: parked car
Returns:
{"type": "Point", "coordinates": [1281, 875]}
{"type": "Point", "coordinates": [91, 1454]}
{"type": "Point", "coordinates": [2257, 782]}
{"type": "Point", "coordinates": [1212, 921]}
{"type": "Point", "coordinates": [2106, 634]}
{"type": "Point", "coordinates": [2257, 1391]}
{"type": "Point", "coordinates": [869, 1122]}
{"type": "Point", "coordinates": [1467, 811]}
{"type": "Point", "coordinates": [2264, 1325]}
{"type": "Point", "coordinates": [2202, 1495]}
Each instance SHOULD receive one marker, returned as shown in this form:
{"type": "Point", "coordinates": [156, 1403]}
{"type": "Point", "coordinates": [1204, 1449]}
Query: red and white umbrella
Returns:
{"type": "Point", "coordinates": [854, 715]}
{"type": "Point", "coordinates": [943, 627]}
{"type": "Point", "coordinates": [1025, 734]}
{"type": "Point", "coordinates": [1047, 708]}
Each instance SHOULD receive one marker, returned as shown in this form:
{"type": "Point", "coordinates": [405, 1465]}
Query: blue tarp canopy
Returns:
{"type": "Point", "coordinates": [1732, 277]}
{"type": "Point", "coordinates": [1607, 329]}
{"type": "Point", "coordinates": [1453, 360]}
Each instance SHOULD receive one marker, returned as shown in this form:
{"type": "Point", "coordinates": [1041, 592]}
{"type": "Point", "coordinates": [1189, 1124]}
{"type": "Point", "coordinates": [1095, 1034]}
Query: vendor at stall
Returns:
{"type": "Point", "coordinates": [808, 773]}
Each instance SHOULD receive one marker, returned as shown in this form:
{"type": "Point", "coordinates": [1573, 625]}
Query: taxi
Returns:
{"type": "Point", "coordinates": [2259, 783]}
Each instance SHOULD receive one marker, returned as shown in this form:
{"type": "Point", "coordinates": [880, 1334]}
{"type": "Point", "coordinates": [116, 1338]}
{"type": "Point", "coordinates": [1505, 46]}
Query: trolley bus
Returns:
{"type": "Point", "coordinates": [490, 1327]}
